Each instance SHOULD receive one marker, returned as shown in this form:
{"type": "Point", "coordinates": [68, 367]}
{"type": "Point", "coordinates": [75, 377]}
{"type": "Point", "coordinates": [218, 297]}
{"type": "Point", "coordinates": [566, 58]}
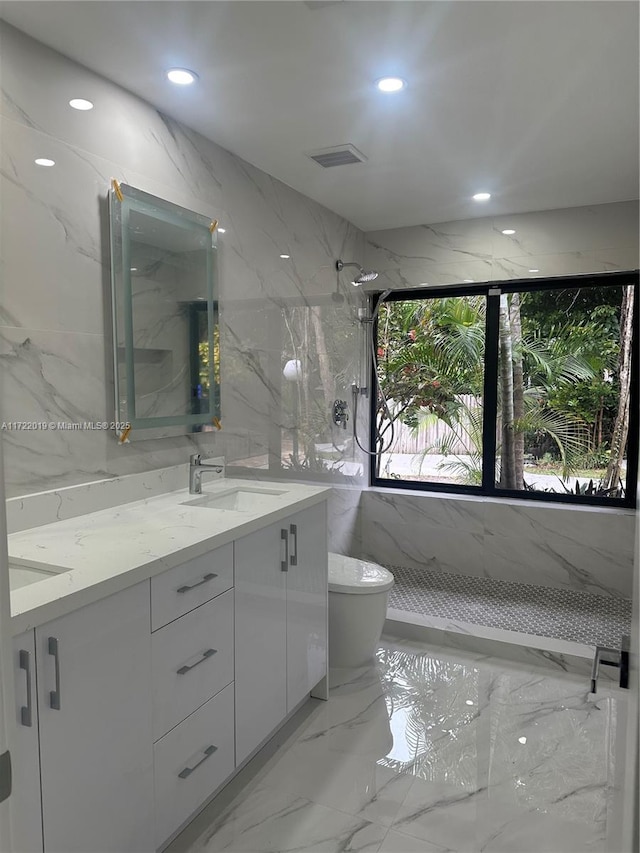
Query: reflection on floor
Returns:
{"type": "Point", "coordinates": [564, 614]}
{"type": "Point", "coordinates": [432, 751]}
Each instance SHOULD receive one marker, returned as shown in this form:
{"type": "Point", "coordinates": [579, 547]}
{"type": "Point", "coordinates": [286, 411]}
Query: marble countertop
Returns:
{"type": "Point", "coordinates": [103, 552]}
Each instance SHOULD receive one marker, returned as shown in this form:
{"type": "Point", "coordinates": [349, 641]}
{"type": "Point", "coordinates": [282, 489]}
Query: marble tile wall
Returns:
{"type": "Point", "coordinates": [54, 306]}
{"type": "Point", "coordinates": [566, 547]}
{"type": "Point", "coordinates": [588, 549]}
{"type": "Point", "coordinates": [55, 324]}
{"type": "Point", "coordinates": [568, 241]}
{"type": "Point", "coordinates": [24, 513]}
{"type": "Point", "coordinates": [343, 518]}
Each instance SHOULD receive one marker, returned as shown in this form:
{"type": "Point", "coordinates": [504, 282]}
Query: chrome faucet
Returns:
{"type": "Point", "coordinates": [197, 468]}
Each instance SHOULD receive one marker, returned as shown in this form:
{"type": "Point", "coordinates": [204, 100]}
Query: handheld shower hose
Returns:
{"type": "Point", "coordinates": [364, 277]}
{"type": "Point", "coordinates": [368, 323]}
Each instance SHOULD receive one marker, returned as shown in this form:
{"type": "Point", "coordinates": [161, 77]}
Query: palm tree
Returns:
{"type": "Point", "coordinates": [621, 425]}
{"type": "Point", "coordinates": [430, 355]}
{"type": "Point", "coordinates": [431, 362]}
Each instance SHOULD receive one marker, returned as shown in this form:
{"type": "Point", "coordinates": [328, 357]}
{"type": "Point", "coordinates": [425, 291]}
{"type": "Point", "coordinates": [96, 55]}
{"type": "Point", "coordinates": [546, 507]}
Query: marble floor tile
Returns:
{"type": "Point", "coordinates": [356, 784]}
{"type": "Point", "coordinates": [271, 821]}
{"type": "Point", "coordinates": [553, 753]}
{"type": "Point", "coordinates": [450, 819]}
{"type": "Point", "coordinates": [434, 750]}
{"type": "Point", "coordinates": [396, 842]}
{"type": "Point", "coordinates": [354, 722]}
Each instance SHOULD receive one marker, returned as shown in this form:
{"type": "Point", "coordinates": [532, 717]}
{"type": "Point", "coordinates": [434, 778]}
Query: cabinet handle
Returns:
{"type": "Point", "coordinates": [205, 579]}
{"type": "Point", "coordinates": [189, 770]}
{"type": "Point", "coordinates": [284, 565]}
{"type": "Point", "coordinates": [54, 695]}
{"type": "Point", "coordinates": [26, 710]}
{"type": "Point", "coordinates": [206, 654]}
{"type": "Point", "coordinates": [293, 528]}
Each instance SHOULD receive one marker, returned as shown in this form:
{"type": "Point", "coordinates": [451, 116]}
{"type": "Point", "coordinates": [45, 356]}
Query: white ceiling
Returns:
{"type": "Point", "coordinates": [536, 102]}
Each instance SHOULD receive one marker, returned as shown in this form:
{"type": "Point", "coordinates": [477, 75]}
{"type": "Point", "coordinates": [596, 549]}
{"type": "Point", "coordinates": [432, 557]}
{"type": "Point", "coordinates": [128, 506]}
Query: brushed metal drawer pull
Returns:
{"type": "Point", "coordinates": [293, 528]}
{"type": "Point", "coordinates": [54, 695]}
{"type": "Point", "coordinates": [189, 770]}
{"type": "Point", "coordinates": [206, 654]}
{"type": "Point", "coordinates": [284, 564]}
{"type": "Point", "coordinates": [205, 579]}
{"type": "Point", "coordinates": [26, 717]}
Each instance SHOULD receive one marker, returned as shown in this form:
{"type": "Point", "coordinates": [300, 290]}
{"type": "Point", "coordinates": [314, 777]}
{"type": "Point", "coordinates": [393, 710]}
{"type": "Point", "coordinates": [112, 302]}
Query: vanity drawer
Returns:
{"type": "Point", "coordinates": [191, 761]}
{"type": "Point", "coordinates": [185, 587]}
{"type": "Point", "coordinates": [191, 660]}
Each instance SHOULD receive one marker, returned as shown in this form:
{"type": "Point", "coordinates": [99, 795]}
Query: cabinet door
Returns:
{"type": "Point", "coordinates": [94, 702]}
{"type": "Point", "coordinates": [260, 636]}
{"type": "Point", "coordinates": [25, 803]}
{"type": "Point", "coordinates": [306, 603]}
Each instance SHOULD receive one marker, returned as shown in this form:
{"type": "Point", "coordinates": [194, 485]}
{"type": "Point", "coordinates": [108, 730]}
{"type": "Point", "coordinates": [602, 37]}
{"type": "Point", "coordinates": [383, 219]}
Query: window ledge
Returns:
{"type": "Point", "coordinates": [504, 501]}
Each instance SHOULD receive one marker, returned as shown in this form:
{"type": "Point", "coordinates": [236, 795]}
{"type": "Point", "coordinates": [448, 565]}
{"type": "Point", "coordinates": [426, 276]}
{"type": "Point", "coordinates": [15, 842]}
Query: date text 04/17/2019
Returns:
{"type": "Point", "coordinates": [55, 426]}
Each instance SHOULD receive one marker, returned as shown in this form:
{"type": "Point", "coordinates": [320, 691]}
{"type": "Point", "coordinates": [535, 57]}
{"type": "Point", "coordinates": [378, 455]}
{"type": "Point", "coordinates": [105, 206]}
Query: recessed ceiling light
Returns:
{"type": "Point", "coordinates": [509, 231]}
{"type": "Point", "coordinates": [222, 230]}
{"type": "Point", "coordinates": [468, 702]}
{"type": "Point", "coordinates": [534, 270]}
{"type": "Point", "coordinates": [182, 76]}
{"type": "Point", "coordinates": [44, 161]}
{"type": "Point", "coordinates": [482, 197]}
{"type": "Point", "coordinates": [285, 256]}
{"type": "Point", "coordinates": [80, 104]}
{"type": "Point", "coordinates": [391, 84]}
{"type": "Point", "coordinates": [522, 740]}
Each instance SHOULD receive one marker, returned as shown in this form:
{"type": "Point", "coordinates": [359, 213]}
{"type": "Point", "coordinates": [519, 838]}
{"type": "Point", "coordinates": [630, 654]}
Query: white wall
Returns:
{"type": "Point", "coordinates": [559, 546]}
{"type": "Point", "coordinates": [54, 313]}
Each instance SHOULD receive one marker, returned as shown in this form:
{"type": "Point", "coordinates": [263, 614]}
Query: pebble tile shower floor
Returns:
{"type": "Point", "coordinates": [563, 614]}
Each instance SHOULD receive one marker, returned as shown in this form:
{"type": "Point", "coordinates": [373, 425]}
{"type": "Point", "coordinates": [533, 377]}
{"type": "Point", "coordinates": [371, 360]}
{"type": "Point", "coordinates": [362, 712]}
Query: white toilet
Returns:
{"type": "Point", "coordinates": [358, 592]}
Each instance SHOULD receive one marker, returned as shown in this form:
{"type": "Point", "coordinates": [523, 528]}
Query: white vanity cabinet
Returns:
{"type": "Point", "coordinates": [94, 706]}
{"type": "Point", "coordinates": [281, 622]}
{"type": "Point", "coordinates": [307, 592]}
{"type": "Point", "coordinates": [134, 710]}
{"type": "Point", "coordinates": [25, 803]}
{"type": "Point", "coordinates": [260, 636]}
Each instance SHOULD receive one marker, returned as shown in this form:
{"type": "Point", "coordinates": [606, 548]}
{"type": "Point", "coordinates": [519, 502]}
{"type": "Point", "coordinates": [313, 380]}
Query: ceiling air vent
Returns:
{"type": "Point", "coordinates": [320, 4]}
{"type": "Point", "coordinates": [341, 155]}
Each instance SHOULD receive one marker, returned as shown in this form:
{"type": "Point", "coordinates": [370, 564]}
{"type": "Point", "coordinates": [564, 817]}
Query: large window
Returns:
{"type": "Point", "coordinates": [510, 389]}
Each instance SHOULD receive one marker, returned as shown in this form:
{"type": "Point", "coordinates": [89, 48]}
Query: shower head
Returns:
{"type": "Point", "coordinates": [364, 277]}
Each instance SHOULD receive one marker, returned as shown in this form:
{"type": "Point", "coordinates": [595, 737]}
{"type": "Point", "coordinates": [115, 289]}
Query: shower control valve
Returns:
{"type": "Point", "coordinates": [340, 413]}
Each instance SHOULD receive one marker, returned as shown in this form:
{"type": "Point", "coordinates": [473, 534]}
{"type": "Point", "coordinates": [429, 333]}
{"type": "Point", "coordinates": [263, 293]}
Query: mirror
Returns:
{"type": "Point", "coordinates": [165, 325]}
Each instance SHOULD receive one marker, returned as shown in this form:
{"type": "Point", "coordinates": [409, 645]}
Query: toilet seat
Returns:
{"type": "Point", "coordinates": [358, 577]}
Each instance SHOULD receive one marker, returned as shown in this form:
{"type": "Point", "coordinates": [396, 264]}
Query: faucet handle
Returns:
{"type": "Point", "coordinates": [195, 459]}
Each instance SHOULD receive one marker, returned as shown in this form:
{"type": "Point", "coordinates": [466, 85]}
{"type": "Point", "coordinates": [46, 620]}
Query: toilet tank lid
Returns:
{"type": "Point", "coordinates": [348, 574]}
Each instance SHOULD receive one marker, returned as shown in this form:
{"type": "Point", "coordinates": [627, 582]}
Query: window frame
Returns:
{"type": "Point", "coordinates": [488, 488]}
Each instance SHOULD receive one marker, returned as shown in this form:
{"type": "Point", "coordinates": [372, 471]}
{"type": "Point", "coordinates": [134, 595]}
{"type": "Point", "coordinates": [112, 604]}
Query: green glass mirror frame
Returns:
{"type": "Point", "coordinates": [174, 224]}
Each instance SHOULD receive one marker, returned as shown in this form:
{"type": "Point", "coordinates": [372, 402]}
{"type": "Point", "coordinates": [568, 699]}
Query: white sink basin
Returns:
{"type": "Point", "coordinates": [238, 499]}
{"type": "Point", "coordinates": [25, 574]}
